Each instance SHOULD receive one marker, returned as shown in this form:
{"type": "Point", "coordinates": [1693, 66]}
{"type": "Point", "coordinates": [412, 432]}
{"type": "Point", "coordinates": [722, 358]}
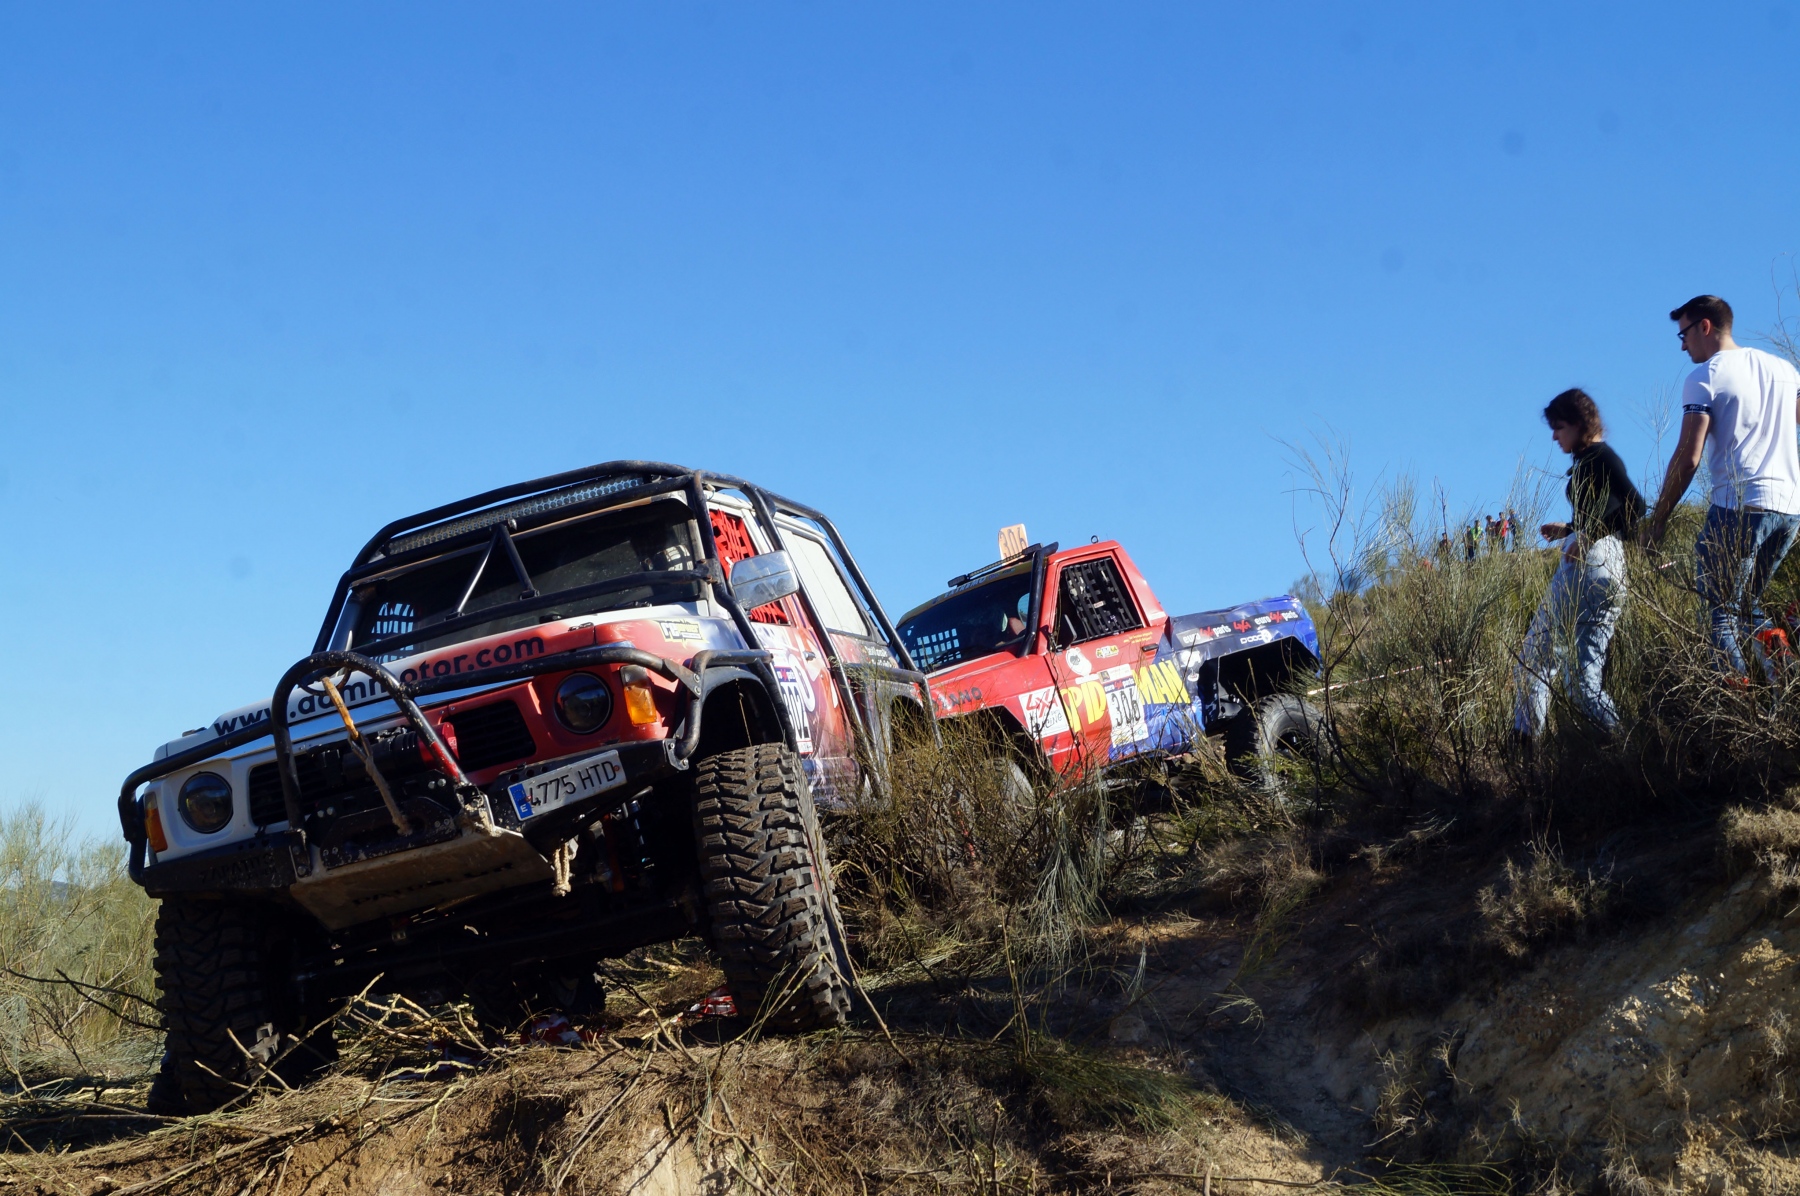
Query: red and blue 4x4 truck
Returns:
{"type": "Point", "coordinates": [1071, 657]}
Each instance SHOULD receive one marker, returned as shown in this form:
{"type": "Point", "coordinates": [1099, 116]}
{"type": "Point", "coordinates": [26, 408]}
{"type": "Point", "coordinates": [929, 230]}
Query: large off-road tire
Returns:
{"type": "Point", "coordinates": [228, 1003]}
{"type": "Point", "coordinates": [766, 883]}
{"type": "Point", "coordinates": [1012, 784]}
{"type": "Point", "coordinates": [1281, 726]}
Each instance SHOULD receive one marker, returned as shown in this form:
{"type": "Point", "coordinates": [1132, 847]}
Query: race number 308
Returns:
{"type": "Point", "coordinates": [572, 782]}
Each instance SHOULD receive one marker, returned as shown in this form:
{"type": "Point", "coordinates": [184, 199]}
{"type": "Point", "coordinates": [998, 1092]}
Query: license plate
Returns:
{"type": "Point", "coordinates": [572, 782]}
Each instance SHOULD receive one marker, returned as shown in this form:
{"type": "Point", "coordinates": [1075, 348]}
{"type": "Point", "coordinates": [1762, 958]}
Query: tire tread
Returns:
{"type": "Point", "coordinates": [767, 898]}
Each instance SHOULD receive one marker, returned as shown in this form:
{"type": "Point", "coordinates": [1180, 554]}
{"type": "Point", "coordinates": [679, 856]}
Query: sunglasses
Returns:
{"type": "Point", "coordinates": [1681, 333]}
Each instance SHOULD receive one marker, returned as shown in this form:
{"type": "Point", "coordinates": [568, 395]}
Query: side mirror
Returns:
{"type": "Point", "coordinates": [757, 580]}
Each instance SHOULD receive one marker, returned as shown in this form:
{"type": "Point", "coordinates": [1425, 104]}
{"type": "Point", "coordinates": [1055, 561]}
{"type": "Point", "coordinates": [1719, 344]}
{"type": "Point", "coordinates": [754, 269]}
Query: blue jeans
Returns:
{"type": "Point", "coordinates": [1578, 617]}
{"type": "Point", "coordinates": [1737, 553]}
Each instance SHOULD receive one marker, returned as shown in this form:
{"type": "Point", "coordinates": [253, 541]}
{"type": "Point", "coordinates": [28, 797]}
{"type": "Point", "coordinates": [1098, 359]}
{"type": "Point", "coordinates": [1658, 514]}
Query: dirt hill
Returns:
{"type": "Point", "coordinates": [1437, 1008]}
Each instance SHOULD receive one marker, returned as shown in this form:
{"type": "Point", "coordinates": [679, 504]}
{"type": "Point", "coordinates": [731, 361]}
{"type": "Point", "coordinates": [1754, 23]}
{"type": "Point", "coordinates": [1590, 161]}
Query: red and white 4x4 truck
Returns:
{"type": "Point", "coordinates": [539, 727]}
{"type": "Point", "coordinates": [1072, 658]}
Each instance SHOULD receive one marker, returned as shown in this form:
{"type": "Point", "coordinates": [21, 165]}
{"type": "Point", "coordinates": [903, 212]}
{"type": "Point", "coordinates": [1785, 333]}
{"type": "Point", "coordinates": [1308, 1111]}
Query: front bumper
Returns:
{"type": "Point", "coordinates": [280, 860]}
{"type": "Point", "coordinates": [277, 860]}
{"type": "Point", "coordinates": [405, 874]}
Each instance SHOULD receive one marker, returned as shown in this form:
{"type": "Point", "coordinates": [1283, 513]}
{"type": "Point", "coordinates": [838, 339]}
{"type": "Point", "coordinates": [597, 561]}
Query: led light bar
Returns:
{"type": "Point", "coordinates": [568, 496]}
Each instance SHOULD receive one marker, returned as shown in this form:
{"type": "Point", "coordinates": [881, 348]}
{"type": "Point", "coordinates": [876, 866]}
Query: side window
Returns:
{"type": "Point", "coordinates": [1091, 602]}
{"type": "Point", "coordinates": [825, 585]}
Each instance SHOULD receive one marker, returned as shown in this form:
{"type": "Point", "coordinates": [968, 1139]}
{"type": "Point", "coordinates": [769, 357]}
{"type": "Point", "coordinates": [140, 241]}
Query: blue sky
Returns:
{"type": "Point", "coordinates": [272, 275]}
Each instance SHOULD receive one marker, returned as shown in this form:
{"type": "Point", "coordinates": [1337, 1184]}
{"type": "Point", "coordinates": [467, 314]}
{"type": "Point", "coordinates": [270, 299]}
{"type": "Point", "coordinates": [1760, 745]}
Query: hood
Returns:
{"type": "Point", "coordinates": [362, 692]}
{"type": "Point", "coordinates": [971, 683]}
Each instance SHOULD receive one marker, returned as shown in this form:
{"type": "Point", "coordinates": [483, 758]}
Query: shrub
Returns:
{"type": "Point", "coordinates": [75, 971]}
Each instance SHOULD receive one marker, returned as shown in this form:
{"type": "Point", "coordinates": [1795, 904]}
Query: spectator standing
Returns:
{"type": "Point", "coordinates": [1741, 405]}
{"type": "Point", "coordinates": [1581, 609]}
{"type": "Point", "coordinates": [1471, 540]}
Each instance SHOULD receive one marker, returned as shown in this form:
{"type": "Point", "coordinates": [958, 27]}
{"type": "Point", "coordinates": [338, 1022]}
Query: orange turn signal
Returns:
{"type": "Point", "coordinates": [640, 697]}
{"type": "Point", "coordinates": [159, 842]}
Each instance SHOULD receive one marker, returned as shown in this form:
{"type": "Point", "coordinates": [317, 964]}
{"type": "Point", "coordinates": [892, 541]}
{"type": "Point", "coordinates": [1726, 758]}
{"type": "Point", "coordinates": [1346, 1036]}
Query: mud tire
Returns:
{"type": "Point", "coordinates": [1281, 725]}
{"type": "Point", "coordinates": [1013, 784]}
{"type": "Point", "coordinates": [766, 883]}
{"type": "Point", "coordinates": [222, 971]}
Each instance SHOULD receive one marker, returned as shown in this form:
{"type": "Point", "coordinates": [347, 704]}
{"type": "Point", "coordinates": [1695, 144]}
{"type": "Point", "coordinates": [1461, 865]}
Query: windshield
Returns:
{"type": "Point", "coordinates": [654, 538]}
{"type": "Point", "coordinates": [977, 622]}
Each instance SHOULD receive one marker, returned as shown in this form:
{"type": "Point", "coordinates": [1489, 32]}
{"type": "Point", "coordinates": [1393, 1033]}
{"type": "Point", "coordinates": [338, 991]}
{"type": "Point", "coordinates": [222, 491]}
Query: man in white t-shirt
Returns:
{"type": "Point", "coordinates": [1745, 403]}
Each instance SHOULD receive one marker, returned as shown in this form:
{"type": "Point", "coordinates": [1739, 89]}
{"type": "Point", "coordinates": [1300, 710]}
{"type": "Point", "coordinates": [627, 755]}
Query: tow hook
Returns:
{"type": "Point", "coordinates": [476, 814]}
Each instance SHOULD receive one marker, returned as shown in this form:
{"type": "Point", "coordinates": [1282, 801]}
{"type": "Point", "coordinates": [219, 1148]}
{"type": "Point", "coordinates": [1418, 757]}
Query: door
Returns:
{"type": "Point", "coordinates": [1101, 639]}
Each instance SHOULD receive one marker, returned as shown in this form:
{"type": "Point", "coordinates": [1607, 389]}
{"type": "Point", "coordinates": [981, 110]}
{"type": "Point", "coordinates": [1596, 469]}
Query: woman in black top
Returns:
{"type": "Point", "coordinates": [1575, 624]}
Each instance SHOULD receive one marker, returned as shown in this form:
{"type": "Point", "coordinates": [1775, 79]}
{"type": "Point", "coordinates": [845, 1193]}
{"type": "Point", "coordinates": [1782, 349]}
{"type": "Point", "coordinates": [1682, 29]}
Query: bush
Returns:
{"type": "Point", "coordinates": [76, 988]}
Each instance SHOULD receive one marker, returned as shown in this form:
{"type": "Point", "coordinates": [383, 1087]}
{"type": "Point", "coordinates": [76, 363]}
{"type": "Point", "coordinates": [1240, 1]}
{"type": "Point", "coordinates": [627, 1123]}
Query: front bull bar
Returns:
{"type": "Point", "coordinates": [710, 667]}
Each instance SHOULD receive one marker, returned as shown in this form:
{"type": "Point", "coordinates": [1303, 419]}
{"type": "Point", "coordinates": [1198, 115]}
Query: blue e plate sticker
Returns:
{"type": "Point", "coordinates": [572, 782]}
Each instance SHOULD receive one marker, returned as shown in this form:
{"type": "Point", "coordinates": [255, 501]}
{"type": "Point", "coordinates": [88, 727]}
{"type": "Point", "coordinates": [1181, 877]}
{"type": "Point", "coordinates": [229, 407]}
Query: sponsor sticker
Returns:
{"type": "Point", "coordinates": [1043, 714]}
{"type": "Point", "coordinates": [680, 629]}
{"type": "Point", "coordinates": [1078, 662]}
{"type": "Point", "coordinates": [797, 694]}
{"type": "Point", "coordinates": [1126, 706]}
{"type": "Point", "coordinates": [951, 700]}
{"type": "Point", "coordinates": [1106, 650]}
{"type": "Point", "coordinates": [1161, 684]}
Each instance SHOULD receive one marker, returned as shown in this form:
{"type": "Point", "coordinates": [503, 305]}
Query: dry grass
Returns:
{"type": "Point", "coordinates": [1767, 838]}
{"type": "Point", "coordinates": [961, 875]}
{"type": "Point", "coordinates": [1539, 903]}
{"type": "Point", "coordinates": [828, 1114]}
{"type": "Point", "coordinates": [960, 856]}
{"type": "Point", "coordinates": [75, 983]}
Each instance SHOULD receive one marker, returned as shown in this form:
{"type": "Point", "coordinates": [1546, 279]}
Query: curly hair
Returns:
{"type": "Point", "coordinates": [1576, 408]}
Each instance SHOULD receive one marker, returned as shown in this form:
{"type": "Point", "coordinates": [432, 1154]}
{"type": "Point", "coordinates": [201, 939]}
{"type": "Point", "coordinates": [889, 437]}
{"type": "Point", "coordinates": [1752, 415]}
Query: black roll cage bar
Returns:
{"type": "Point", "coordinates": [662, 478]}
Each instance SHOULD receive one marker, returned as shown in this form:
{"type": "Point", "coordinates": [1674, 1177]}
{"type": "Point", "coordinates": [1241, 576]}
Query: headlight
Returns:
{"type": "Point", "coordinates": [583, 703]}
{"type": "Point", "coordinates": [205, 802]}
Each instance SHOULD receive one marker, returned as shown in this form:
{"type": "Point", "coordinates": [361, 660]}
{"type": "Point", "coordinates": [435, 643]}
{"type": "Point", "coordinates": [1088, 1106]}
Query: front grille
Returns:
{"type": "Point", "coordinates": [265, 795]}
{"type": "Point", "coordinates": [490, 735]}
{"type": "Point", "coordinates": [266, 805]}
{"type": "Point", "coordinates": [485, 736]}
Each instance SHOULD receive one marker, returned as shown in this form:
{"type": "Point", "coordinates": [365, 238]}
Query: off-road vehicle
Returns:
{"type": "Point", "coordinates": [1069, 658]}
{"type": "Point", "coordinates": [540, 727]}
